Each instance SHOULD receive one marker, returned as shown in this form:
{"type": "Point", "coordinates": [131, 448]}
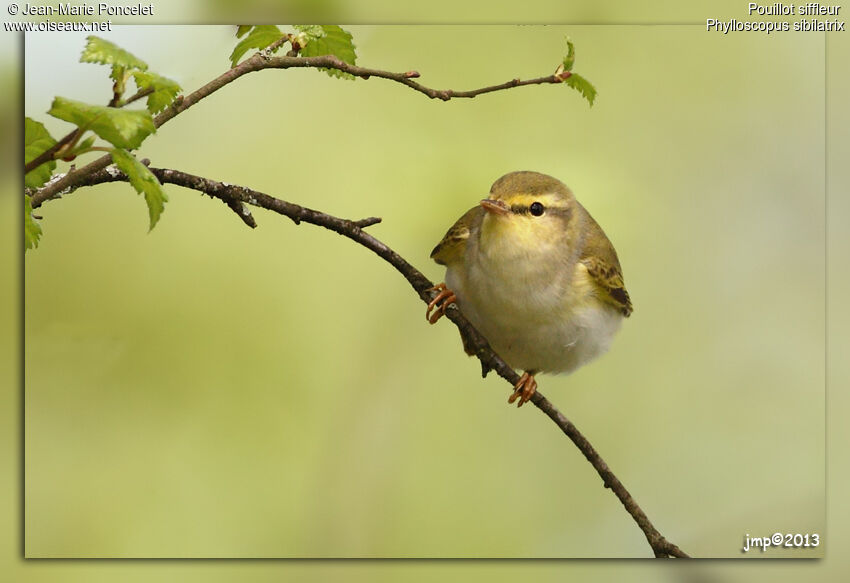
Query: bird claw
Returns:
{"type": "Point", "coordinates": [440, 302]}
{"type": "Point", "coordinates": [524, 389]}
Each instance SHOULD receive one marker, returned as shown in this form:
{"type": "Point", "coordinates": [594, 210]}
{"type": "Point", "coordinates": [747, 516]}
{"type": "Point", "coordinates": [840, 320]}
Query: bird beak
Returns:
{"type": "Point", "coordinates": [496, 207]}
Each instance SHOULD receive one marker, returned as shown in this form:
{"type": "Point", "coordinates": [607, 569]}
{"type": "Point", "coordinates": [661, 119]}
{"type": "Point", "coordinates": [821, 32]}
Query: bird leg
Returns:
{"type": "Point", "coordinates": [524, 389]}
{"type": "Point", "coordinates": [441, 301]}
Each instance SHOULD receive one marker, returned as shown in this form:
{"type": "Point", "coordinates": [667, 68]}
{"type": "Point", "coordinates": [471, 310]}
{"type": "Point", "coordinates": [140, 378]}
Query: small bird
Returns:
{"type": "Point", "coordinates": [536, 275]}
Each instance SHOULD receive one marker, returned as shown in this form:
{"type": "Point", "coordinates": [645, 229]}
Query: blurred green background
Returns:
{"type": "Point", "coordinates": [189, 396]}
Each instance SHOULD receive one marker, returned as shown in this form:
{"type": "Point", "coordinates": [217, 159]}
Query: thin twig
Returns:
{"type": "Point", "coordinates": [48, 154]}
{"type": "Point", "coordinates": [137, 95]}
{"type": "Point", "coordinates": [260, 61]}
{"type": "Point", "coordinates": [239, 195]}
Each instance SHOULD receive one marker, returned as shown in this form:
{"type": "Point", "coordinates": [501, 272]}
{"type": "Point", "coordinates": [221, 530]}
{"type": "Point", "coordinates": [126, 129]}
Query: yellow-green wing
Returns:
{"type": "Point", "coordinates": [454, 242]}
{"type": "Point", "coordinates": [600, 259]}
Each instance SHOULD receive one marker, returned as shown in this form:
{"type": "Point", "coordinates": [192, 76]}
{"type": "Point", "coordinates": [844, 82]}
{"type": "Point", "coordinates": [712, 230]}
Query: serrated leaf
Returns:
{"type": "Point", "coordinates": [32, 230]}
{"type": "Point", "coordinates": [104, 52]}
{"type": "Point", "coordinates": [120, 127]}
{"type": "Point", "coordinates": [164, 89]}
{"type": "Point", "coordinates": [37, 140]}
{"type": "Point", "coordinates": [570, 59]}
{"type": "Point", "coordinates": [143, 181]}
{"type": "Point", "coordinates": [259, 38]}
{"type": "Point", "coordinates": [242, 29]}
{"type": "Point", "coordinates": [335, 41]}
{"type": "Point", "coordinates": [583, 86]}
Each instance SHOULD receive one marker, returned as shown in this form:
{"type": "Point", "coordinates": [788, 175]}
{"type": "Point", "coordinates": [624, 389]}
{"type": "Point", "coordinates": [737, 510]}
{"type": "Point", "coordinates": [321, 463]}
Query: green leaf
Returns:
{"type": "Point", "coordinates": [583, 86]}
{"type": "Point", "coordinates": [242, 29]}
{"type": "Point", "coordinates": [122, 128]}
{"type": "Point", "coordinates": [32, 230]}
{"type": "Point", "coordinates": [164, 89]}
{"type": "Point", "coordinates": [143, 181]}
{"type": "Point", "coordinates": [37, 140]}
{"type": "Point", "coordinates": [104, 52]}
{"type": "Point", "coordinates": [335, 41]}
{"type": "Point", "coordinates": [570, 59]}
{"type": "Point", "coordinates": [259, 38]}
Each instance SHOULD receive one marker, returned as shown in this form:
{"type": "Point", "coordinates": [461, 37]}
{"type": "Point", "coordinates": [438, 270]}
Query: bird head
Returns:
{"type": "Point", "coordinates": [528, 212]}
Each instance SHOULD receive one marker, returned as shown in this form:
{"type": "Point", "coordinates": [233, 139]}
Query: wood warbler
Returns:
{"type": "Point", "coordinates": [536, 275]}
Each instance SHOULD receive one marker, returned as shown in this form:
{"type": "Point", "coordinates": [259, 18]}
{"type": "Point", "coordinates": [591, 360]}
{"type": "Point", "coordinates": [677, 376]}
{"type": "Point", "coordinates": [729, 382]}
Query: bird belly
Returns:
{"type": "Point", "coordinates": [530, 323]}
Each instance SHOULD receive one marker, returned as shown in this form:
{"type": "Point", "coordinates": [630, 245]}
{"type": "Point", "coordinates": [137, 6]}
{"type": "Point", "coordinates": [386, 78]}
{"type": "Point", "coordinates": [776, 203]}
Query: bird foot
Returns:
{"type": "Point", "coordinates": [524, 389]}
{"type": "Point", "coordinates": [440, 302]}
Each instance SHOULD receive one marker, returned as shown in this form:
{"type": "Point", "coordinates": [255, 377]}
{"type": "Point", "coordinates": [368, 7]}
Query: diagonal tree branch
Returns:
{"type": "Point", "coordinates": [237, 196]}
{"type": "Point", "coordinates": [258, 62]}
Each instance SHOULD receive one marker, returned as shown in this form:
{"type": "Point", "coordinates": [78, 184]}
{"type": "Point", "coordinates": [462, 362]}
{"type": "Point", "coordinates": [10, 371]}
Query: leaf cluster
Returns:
{"type": "Point", "coordinates": [308, 40]}
{"type": "Point", "coordinates": [123, 129]}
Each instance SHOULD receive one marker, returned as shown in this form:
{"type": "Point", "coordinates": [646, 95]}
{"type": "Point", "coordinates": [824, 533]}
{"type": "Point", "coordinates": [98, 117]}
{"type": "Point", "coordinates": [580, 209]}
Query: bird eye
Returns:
{"type": "Point", "coordinates": [536, 209]}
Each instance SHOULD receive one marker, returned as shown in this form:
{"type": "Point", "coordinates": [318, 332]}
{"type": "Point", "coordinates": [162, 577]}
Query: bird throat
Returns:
{"type": "Point", "coordinates": [513, 240]}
